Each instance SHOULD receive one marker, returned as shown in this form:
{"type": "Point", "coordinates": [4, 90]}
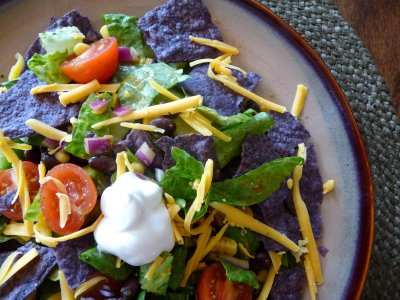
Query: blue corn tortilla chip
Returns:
{"type": "Point", "coordinates": [75, 270]}
{"type": "Point", "coordinates": [166, 30]}
{"type": "Point", "coordinates": [18, 105]}
{"type": "Point", "coordinates": [288, 284]}
{"type": "Point", "coordinates": [217, 96]}
{"type": "Point", "coordinates": [6, 199]}
{"type": "Point", "coordinates": [27, 280]}
{"type": "Point", "coordinates": [134, 140]}
{"type": "Point", "coordinates": [199, 146]}
{"type": "Point", "coordinates": [72, 18]}
{"type": "Point", "coordinates": [287, 134]}
{"type": "Point", "coordinates": [256, 149]}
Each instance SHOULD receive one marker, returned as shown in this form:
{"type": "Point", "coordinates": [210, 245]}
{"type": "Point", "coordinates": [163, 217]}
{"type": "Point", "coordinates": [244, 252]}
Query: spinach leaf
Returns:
{"type": "Point", "coordinates": [259, 124]}
{"type": "Point", "coordinates": [8, 84]}
{"type": "Point", "coordinates": [288, 260]}
{"type": "Point", "coordinates": [178, 180]}
{"type": "Point", "coordinates": [47, 67]}
{"type": "Point", "coordinates": [105, 263]}
{"type": "Point", "coordinates": [34, 209]}
{"type": "Point", "coordinates": [86, 119]}
{"type": "Point", "coordinates": [256, 185]}
{"type": "Point", "coordinates": [178, 266]}
{"type": "Point", "coordinates": [101, 180]}
{"type": "Point", "coordinates": [124, 28]}
{"type": "Point", "coordinates": [136, 91]}
{"type": "Point", "coordinates": [244, 236]}
{"type": "Point", "coordinates": [237, 274]}
{"type": "Point", "coordinates": [158, 283]}
{"type": "Point", "coordinates": [223, 122]}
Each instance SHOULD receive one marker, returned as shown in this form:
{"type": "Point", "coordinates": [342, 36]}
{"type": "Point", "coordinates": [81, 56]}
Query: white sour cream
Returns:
{"type": "Point", "coordinates": [136, 226]}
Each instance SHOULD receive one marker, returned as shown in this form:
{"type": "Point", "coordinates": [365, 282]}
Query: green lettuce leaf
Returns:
{"type": "Point", "coordinates": [178, 180]}
{"type": "Point", "coordinates": [136, 91]}
{"type": "Point", "coordinates": [34, 209]}
{"type": "Point", "coordinates": [224, 122]}
{"type": "Point", "coordinates": [9, 84]}
{"type": "Point", "coordinates": [124, 28]}
{"type": "Point", "coordinates": [259, 124]}
{"type": "Point", "coordinates": [178, 266]}
{"type": "Point", "coordinates": [288, 260]}
{"type": "Point", "coordinates": [86, 119]}
{"type": "Point", "coordinates": [47, 67]}
{"type": "Point", "coordinates": [158, 283]}
{"type": "Point", "coordinates": [244, 236]}
{"type": "Point", "coordinates": [237, 274]}
{"type": "Point", "coordinates": [256, 185]}
{"type": "Point", "coordinates": [61, 39]}
{"type": "Point", "coordinates": [101, 180]}
{"type": "Point", "coordinates": [105, 263]}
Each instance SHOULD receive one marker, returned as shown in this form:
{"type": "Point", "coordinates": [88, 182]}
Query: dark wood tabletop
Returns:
{"type": "Point", "coordinates": [377, 23]}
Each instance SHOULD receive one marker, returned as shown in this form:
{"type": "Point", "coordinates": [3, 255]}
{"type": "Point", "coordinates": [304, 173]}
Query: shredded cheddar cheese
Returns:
{"type": "Point", "coordinates": [276, 259]}
{"type": "Point", "coordinates": [79, 93]}
{"type": "Point", "coordinates": [153, 268]}
{"type": "Point", "coordinates": [298, 103]}
{"type": "Point", "coordinates": [16, 69]}
{"type": "Point", "coordinates": [221, 46]}
{"type": "Point", "coordinates": [57, 87]}
{"type": "Point", "coordinates": [144, 127]}
{"type": "Point", "coordinates": [66, 292]}
{"type": "Point", "coordinates": [6, 265]}
{"type": "Point", "coordinates": [328, 186]}
{"type": "Point", "coordinates": [19, 264]}
{"type": "Point", "coordinates": [269, 281]}
{"type": "Point", "coordinates": [162, 90]}
{"type": "Point", "coordinates": [87, 285]}
{"type": "Point", "coordinates": [45, 130]}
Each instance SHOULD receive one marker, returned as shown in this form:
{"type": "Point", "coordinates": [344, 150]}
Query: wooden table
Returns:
{"type": "Point", "coordinates": [377, 23]}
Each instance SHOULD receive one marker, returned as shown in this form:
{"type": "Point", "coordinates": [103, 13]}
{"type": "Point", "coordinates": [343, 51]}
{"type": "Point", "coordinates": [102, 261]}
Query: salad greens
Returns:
{"type": "Point", "coordinates": [240, 275]}
{"type": "Point", "coordinates": [106, 263]}
{"type": "Point", "coordinates": [47, 66]}
{"type": "Point", "coordinates": [245, 237]}
{"type": "Point", "coordinates": [136, 91]}
{"type": "Point", "coordinates": [124, 28]}
{"type": "Point", "coordinates": [34, 210]}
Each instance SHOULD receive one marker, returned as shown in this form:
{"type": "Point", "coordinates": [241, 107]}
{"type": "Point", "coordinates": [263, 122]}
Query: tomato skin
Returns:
{"type": "Point", "coordinates": [8, 184]}
{"type": "Point", "coordinates": [214, 285]}
{"type": "Point", "coordinates": [98, 62]}
{"type": "Point", "coordinates": [81, 192]}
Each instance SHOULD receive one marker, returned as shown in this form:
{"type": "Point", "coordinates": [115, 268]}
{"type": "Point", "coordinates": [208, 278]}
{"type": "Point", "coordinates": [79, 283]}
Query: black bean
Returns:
{"type": "Point", "coordinates": [260, 261]}
{"type": "Point", "coordinates": [49, 160]}
{"type": "Point", "coordinates": [164, 123]}
{"type": "Point", "coordinates": [103, 164]}
{"type": "Point", "coordinates": [33, 155]}
{"type": "Point", "coordinates": [130, 288]}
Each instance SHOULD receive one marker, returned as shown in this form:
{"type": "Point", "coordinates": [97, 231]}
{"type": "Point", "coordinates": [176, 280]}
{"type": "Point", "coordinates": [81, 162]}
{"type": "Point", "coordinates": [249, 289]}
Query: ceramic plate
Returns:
{"type": "Point", "coordinates": [271, 48]}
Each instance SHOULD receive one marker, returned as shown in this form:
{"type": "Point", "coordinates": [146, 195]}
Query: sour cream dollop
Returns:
{"type": "Point", "coordinates": [136, 226]}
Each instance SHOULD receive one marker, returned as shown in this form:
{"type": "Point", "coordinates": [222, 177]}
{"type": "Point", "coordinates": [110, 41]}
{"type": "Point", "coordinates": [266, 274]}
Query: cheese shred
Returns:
{"type": "Point", "coordinates": [79, 93]}
{"type": "Point", "coordinates": [162, 90]}
{"type": "Point", "coordinates": [87, 285]}
{"type": "Point", "coordinates": [45, 130]}
{"type": "Point", "coordinates": [16, 69]}
{"type": "Point", "coordinates": [66, 292]}
{"type": "Point", "coordinates": [153, 268]}
{"type": "Point", "coordinates": [221, 46]}
{"type": "Point", "coordinates": [6, 265]}
{"type": "Point", "coordinates": [144, 127]}
{"type": "Point", "coordinates": [56, 87]}
{"type": "Point", "coordinates": [328, 186]}
{"type": "Point", "coordinates": [268, 284]}
{"type": "Point", "coordinates": [241, 219]}
{"type": "Point", "coordinates": [299, 99]}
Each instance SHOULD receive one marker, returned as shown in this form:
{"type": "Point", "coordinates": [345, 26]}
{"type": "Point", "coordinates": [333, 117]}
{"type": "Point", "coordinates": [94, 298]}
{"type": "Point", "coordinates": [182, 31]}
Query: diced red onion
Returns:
{"type": "Point", "coordinates": [124, 54]}
{"type": "Point", "coordinates": [145, 154]}
{"type": "Point", "coordinates": [121, 110]}
{"type": "Point", "coordinates": [99, 106]}
{"type": "Point", "coordinates": [99, 145]}
{"type": "Point", "coordinates": [50, 143]}
{"type": "Point", "coordinates": [159, 174]}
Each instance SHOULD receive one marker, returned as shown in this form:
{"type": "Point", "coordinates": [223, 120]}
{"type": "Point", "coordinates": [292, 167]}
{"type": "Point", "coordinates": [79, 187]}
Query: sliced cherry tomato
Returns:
{"type": "Point", "coordinates": [7, 182]}
{"type": "Point", "coordinates": [81, 192]}
{"type": "Point", "coordinates": [98, 62]}
{"type": "Point", "coordinates": [213, 284]}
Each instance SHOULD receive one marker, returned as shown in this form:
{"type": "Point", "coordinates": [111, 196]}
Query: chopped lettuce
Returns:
{"type": "Point", "coordinates": [106, 263]}
{"type": "Point", "coordinates": [4, 163]}
{"type": "Point", "coordinates": [158, 283]}
{"type": "Point", "coordinates": [47, 67]}
{"type": "Point", "coordinates": [224, 122]}
{"type": "Point", "coordinates": [178, 180]}
{"type": "Point", "coordinates": [61, 39]}
{"type": "Point", "coordinates": [178, 266]}
{"type": "Point", "coordinates": [255, 185]}
{"type": "Point", "coordinates": [237, 274]}
{"type": "Point", "coordinates": [86, 119]}
{"type": "Point", "coordinates": [258, 124]}
{"type": "Point", "coordinates": [136, 91]}
{"type": "Point", "coordinates": [9, 84]}
{"type": "Point", "coordinates": [124, 28]}
{"type": "Point", "coordinates": [100, 180]}
{"type": "Point", "coordinates": [244, 236]}
{"type": "Point", "coordinates": [34, 210]}
{"type": "Point", "coordinates": [288, 260]}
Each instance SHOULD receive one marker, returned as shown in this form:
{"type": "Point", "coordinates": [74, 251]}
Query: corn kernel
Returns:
{"type": "Point", "coordinates": [62, 157]}
{"type": "Point", "coordinates": [80, 48]}
{"type": "Point", "coordinates": [104, 31]}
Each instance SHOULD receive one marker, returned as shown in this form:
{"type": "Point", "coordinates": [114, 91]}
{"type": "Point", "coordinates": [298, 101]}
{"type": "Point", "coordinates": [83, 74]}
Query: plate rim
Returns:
{"type": "Point", "coordinates": [365, 239]}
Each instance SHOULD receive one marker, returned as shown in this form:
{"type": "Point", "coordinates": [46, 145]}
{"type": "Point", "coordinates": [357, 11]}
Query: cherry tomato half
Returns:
{"type": "Point", "coordinates": [7, 184]}
{"type": "Point", "coordinates": [98, 62]}
{"type": "Point", "coordinates": [81, 192]}
{"type": "Point", "coordinates": [213, 284]}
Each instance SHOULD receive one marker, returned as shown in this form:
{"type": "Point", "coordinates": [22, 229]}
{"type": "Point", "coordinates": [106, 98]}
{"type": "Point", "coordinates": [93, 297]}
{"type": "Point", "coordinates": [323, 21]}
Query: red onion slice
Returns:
{"type": "Point", "coordinates": [99, 145]}
{"type": "Point", "coordinates": [50, 143]}
{"type": "Point", "coordinates": [99, 106]}
{"type": "Point", "coordinates": [121, 110]}
{"type": "Point", "coordinates": [145, 154]}
{"type": "Point", "coordinates": [124, 54]}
